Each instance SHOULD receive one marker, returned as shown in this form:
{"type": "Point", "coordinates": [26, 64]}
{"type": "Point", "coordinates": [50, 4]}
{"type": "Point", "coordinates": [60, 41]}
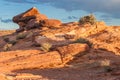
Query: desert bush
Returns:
{"type": "Point", "coordinates": [6, 39]}
{"type": "Point", "coordinates": [83, 40]}
{"type": "Point", "coordinates": [107, 69]}
{"type": "Point", "coordinates": [106, 65]}
{"type": "Point", "coordinates": [105, 62]}
{"type": "Point", "coordinates": [46, 47]}
{"type": "Point", "coordinates": [21, 36]}
{"type": "Point", "coordinates": [7, 47]}
{"type": "Point", "coordinates": [88, 19]}
{"type": "Point", "coordinates": [13, 42]}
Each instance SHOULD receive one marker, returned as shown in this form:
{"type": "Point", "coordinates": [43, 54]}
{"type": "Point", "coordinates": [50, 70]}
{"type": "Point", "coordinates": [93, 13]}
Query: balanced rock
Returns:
{"type": "Point", "coordinates": [32, 13]}
{"type": "Point", "coordinates": [29, 19]}
{"type": "Point", "coordinates": [33, 19]}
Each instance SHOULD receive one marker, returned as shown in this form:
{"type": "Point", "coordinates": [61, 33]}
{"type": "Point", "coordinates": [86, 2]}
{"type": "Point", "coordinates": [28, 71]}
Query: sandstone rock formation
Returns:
{"type": "Point", "coordinates": [51, 40]}
{"type": "Point", "coordinates": [32, 13]}
{"type": "Point", "coordinates": [71, 50]}
{"type": "Point", "coordinates": [29, 19]}
{"type": "Point", "coordinates": [36, 59]}
{"type": "Point", "coordinates": [33, 19]}
{"type": "Point", "coordinates": [69, 56]}
{"type": "Point", "coordinates": [107, 39]}
{"type": "Point", "coordinates": [50, 23]}
{"type": "Point", "coordinates": [3, 77]}
{"type": "Point", "coordinates": [33, 23]}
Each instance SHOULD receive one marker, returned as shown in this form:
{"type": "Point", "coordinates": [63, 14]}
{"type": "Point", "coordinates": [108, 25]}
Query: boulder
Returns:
{"type": "Point", "coordinates": [20, 30]}
{"type": "Point", "coordinates": [29, 14]}
{"type": "Point", "coordinates": [33, 23]}
{"type": "Point", "coordinates": [33, 19]}
{"type": "Point", "coordinates": [21, 24]}
{"type": "Point", "coordinates": [29, 19]}
{"type": "Point", "coordinates": [70, 35]}
{"type": "Point", "coordinates": [51, 40]}
{"type": "Point", "coordinates": [51, 23]}
{"type": "Point", "coordinates": [71, 50]}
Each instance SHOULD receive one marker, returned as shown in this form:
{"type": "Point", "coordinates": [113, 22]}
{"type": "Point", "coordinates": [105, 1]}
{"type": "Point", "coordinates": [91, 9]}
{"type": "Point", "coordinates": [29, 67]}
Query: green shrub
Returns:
{"type": "Point", "coordinates": [46, 47]}
{"type": "Point", "coordinates": [82, 40]}
{"type": "Point", "coordinates": [21, 36]}
{"type": "Point", "coordinates": [88, 19]}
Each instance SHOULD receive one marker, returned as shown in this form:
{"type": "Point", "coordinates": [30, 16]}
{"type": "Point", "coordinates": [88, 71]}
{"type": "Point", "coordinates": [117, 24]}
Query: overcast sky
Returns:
{"type": "Point", "coordinates": [65, 10]}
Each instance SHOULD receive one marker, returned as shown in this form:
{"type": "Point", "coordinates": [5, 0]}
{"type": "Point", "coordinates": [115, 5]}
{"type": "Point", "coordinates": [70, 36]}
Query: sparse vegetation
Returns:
{"type": "Point", "coordinates": [107, 69]}
{"type": "Point", "coordinates": [88, 19]}
{"type": "Point", "coordinates": [105, 62]}
{"type": "Point", "coordinates": [7, 47]}
{"type": "Point", "coordinates": [106, 65]}
{"type": "Point", "coordinates": [13, 42]}
{"type": "Point", "coordinates": [21, 36]}
{"type": "Point", "coordinates": [46, 47]}
{"type": "Point", "coordinates": [6, 39]}
{"type": "Point", "coordinates": [83, 40]}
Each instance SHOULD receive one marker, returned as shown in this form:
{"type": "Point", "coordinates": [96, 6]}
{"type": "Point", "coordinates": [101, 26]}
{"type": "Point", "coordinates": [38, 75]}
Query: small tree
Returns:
{"type": "Point", "coordinates": [88, 19]}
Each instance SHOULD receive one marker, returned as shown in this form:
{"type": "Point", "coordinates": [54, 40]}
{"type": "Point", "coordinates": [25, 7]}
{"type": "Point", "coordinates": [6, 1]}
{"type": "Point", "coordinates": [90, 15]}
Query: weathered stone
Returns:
{"type": "Point", "coordinates": [72, 49]}
{"type": "Point", "coordinates": [29, 19]}
{"type": "Point", "coordinates": [33, 23]}
{"type": "Point", "coordinates": [48, 59]}
{"type": "Point", "coordinates": [54, 42]}
{"type": "Point", "coordinates": [70, 35]}
{"type": "Point", "coordinates": [51, 23]}
{"type": "Point", "coordinates": [33, 19]}
{"type": "Point", "coordinates": [30, 59]}
{"type": "Point", "coordinates": [70, 24]}
{"type": "Point", "coordinates": [20, 30]}
{"type": "Point", "coordinates": [67, 36]}
{"type": "Point", "coordinates": [29, 14]}
{"type": "Point", "coordinates": [41, 16]}
{"type": "Point", "coordinates": [21, 24]}
{"type": "Point", "coordinates": [5, 77]}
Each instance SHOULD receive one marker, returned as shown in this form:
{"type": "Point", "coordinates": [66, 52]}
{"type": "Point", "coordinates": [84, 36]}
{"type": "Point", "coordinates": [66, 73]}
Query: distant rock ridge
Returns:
{"type": "Point", "coordinates": [32, 18]}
